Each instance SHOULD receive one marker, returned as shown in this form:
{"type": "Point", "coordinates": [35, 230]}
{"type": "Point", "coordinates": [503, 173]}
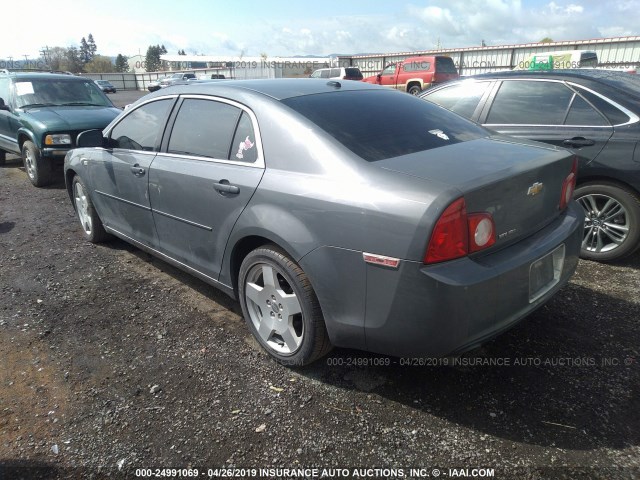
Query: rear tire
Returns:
{"type": "Point", "coordinates": [414, 90]}
{"type": "Point", "coordinates": [612, 221]}
{"type": "Point", "coordinates": [38, 169]}
{"type": "Point", "coordinates": [281, 308]}
{"type": "Point", "coordinates": [92, 227]}
{"type": "Point", "coordinates": [3, 157]}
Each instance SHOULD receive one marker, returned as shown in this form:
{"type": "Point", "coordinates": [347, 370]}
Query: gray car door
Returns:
{"type": "Point", "coordinates": [203, 179]}
{"type": "Point", "coordinates": [120, 174]}
{"type": "Point", "coordinates": [548, 111]}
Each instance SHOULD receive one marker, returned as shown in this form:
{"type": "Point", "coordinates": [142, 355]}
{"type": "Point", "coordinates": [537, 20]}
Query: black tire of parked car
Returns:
{"type": "Point", "coordinates": [414, 90]}
{"type": "Point", "coordinates": [315, 339]}
{"type": "Point", "coordinates": [3, 158]}
{"type": "Point", "coordinates": [631, 204]}
{"type": "Point", "coordinates": [38, 169]}
{"type": "Point", "coordinates": [96, 233]}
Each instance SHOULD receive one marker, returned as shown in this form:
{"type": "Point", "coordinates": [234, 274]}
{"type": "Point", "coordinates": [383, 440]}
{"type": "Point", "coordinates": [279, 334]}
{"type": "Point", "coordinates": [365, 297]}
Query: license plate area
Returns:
{"type": "Point", "coordinates": [545, 273]}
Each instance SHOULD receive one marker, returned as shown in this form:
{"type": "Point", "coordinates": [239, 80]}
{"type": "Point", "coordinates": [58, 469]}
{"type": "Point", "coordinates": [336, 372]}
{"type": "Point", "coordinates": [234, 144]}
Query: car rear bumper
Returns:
{"type": "Point", "coordinates": [442, 309]}
{"type": "Point", "coordinates": [455, 306]}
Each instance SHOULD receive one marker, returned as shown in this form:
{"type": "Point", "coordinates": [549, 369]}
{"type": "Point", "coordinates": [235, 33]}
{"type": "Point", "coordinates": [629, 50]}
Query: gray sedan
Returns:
{"type": "Point", "coordinates": [337, 213]}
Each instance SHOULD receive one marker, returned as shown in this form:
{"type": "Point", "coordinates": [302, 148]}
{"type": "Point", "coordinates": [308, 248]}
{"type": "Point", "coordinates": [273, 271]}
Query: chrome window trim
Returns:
{"type": "Point", "coordinates": [259, 163]}
{"type": "Point", "coordinates": [633, 118]}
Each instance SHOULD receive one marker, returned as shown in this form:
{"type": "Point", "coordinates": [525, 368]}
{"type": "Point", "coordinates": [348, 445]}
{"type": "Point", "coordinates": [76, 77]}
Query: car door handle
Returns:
{"type": "Point", "coordinates": [223, 186]}
{"type": "Point", "coordinates": [578, 142]}
{"type": "Point", "coordinates": [137, 170]}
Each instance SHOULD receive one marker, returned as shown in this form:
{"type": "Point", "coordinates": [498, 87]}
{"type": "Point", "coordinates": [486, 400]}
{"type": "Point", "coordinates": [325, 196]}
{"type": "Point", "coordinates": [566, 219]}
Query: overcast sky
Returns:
{"type": "Point", "coordinates": [287, 28]}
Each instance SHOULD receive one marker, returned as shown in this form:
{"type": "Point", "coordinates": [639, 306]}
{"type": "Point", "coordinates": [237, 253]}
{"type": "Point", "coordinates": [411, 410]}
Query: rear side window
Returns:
{"type": "Point", "coordinates": [461, 98]}
{"type": "Point", "coordinates": [445, 65]}
{"type": "Point", "coordinates": [142, 128]}
{"type": "Point", "coordinates": [613, 114]}
{"type": "Point", "coordinates": [376, 125]}
{"type": "Point", "coordinates": [417, 66]}
{"type": "Point", "coordinates": [243, 148]}
{"type": "Point", "coordinates": [204, 128]}
{"type": "Point", "coordinates": [581, 113]}
{"type": "Point", "coordinates": [353, 73]}
{"type": "Point", "coordinates": [335, 72]}
{"type": "Point", "coordinates": [530, 103]}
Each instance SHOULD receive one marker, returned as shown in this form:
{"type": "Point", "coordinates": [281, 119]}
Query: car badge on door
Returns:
{"type": "Point", "coordinates": [535, 189]}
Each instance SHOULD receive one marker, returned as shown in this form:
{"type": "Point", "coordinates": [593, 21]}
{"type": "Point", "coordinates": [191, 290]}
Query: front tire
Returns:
{"type": "Point", "coordinates": [281, 308]}
{"type": "Point", "coordinates": [612, 221]}
{"type": "Point", "coordinates": [38, 169]}
{"type": "Point", "coordinates": [92, 227]}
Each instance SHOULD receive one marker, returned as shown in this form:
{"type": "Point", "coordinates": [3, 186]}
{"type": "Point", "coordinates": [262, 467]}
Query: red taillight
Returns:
{"type": "Point", "coordinates": [450, 237]}
{"type": "Point", "coordinates": [457, 234]}
{"type": "Point", "coordinates": [568, 186]}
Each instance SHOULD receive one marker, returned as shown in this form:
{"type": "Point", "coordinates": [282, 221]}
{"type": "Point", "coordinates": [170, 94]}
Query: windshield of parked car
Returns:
{"type": "Point", "coordinates": [380, 124]}
{"type": "Point", "coordinates": [59, 92]}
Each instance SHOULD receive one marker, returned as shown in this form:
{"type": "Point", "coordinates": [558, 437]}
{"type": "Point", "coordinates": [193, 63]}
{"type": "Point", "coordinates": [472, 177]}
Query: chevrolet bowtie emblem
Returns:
{"type": "Point", "coordinates": [535, 189]}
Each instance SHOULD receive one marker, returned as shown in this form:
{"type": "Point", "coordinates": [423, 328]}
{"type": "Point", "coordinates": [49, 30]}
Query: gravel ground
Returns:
{"type": "Point", "coordinates": [113, 361]}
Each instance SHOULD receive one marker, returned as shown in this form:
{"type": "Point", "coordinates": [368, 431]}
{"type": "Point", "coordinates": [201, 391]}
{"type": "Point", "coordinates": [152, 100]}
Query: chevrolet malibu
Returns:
{"type": "Point", "coordinates": [337, 213]}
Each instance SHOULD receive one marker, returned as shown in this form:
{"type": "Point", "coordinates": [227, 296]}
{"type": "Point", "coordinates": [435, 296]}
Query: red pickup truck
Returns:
{"type": "Point", "coordinates": [415, 74]}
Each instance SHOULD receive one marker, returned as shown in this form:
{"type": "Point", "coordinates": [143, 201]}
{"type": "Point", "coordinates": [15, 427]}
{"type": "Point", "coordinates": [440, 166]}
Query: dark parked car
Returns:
{"type": "Point", "coordinates": [423, 234]}
{"type": "Point", "coordinates": [596, 113]}
{"type": "Point", "coordinates": [42, 113]}
{"type": "Point", "coordinates": [106, 86]}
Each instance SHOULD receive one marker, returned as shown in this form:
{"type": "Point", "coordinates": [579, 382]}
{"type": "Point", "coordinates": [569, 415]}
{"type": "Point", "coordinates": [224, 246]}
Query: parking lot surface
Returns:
{"type": "Point", "coordinates": [114, 361]}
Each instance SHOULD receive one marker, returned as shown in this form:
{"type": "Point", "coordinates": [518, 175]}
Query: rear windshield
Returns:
{"type": "Point", "coordinates": [445, 65]}
{"type": "Point", "coordinates": [380, 124]}
{"type": "Point", "coordinates": [353, 72]}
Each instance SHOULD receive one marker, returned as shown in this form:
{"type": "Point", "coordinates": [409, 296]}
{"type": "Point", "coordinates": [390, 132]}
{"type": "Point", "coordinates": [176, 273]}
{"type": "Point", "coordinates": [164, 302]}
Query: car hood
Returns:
{"type": "Point", "coordinates": [71, 118]}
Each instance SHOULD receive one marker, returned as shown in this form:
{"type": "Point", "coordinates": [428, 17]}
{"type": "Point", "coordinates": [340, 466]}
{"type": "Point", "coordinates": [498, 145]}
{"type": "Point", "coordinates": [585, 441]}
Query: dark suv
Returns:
{"type": "Point", "coordinates": [42, 113]}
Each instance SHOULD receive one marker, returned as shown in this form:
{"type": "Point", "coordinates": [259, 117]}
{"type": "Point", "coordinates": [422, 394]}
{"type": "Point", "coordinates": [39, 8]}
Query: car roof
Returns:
{"type": "Point", "coordinates": [277, 88]}
{"type": "Point", "coordinates": [41, 75]}
{"type": "Point", "coordinates": [613, 78]}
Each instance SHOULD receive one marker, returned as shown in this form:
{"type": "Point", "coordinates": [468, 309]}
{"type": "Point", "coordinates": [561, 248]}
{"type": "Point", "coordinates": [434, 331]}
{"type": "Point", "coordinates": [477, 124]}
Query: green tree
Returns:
{"type": "Point", "coordinates": [100, 64]}
{"type": "Point", "coordinates": [73, 62]}
{"type": "Point", "coordinates": [546, 40]}
{"type": "Point", "coordinates": [85, 55]}
{"type": "Point", "coordinates": [91, 43]}
{"type": "Point", "coordinates": [153, 58]}
{"type": "Point", "coordinates": [122, 64]}
{"type": "Point", "coordinates": [181, 52]}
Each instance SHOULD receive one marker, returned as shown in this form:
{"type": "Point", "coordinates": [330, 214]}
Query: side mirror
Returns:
{"type": "Point", "coordinates": [379, 76]}
{"type": "Point", "coordinates": [91, 138]}
{"type": "Point", "coordinates": [3, 106]}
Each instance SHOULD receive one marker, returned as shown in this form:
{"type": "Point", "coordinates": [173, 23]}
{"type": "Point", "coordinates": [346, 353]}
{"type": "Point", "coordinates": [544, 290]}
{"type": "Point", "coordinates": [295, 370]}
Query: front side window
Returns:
{"type": "Point", "coordinates": [389, 70]}
{"type": "Point", "coordinates": [142, 128]}
{"type": "Point", "coordinates": [530, 103]}
{"type": "Point", "coordinates": [461, 98]}
{"type": "Point", "coordinates": [204, 128]}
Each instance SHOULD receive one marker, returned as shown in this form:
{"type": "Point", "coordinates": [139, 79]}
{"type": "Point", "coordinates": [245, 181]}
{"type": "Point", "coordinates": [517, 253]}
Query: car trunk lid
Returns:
{"type": "Point", "coordinates": [518, 185]}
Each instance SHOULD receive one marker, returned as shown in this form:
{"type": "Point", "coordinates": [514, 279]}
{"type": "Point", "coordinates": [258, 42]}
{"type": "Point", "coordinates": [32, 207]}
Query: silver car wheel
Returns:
{"type": "Point", "coordinates": [274, 309]}
{"type": "Point", "coordinates": [29, 163]}
{"type": "Point", "coordinates": [82, 207]}
{"type": "Point", "coordinates": [606, 224]}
